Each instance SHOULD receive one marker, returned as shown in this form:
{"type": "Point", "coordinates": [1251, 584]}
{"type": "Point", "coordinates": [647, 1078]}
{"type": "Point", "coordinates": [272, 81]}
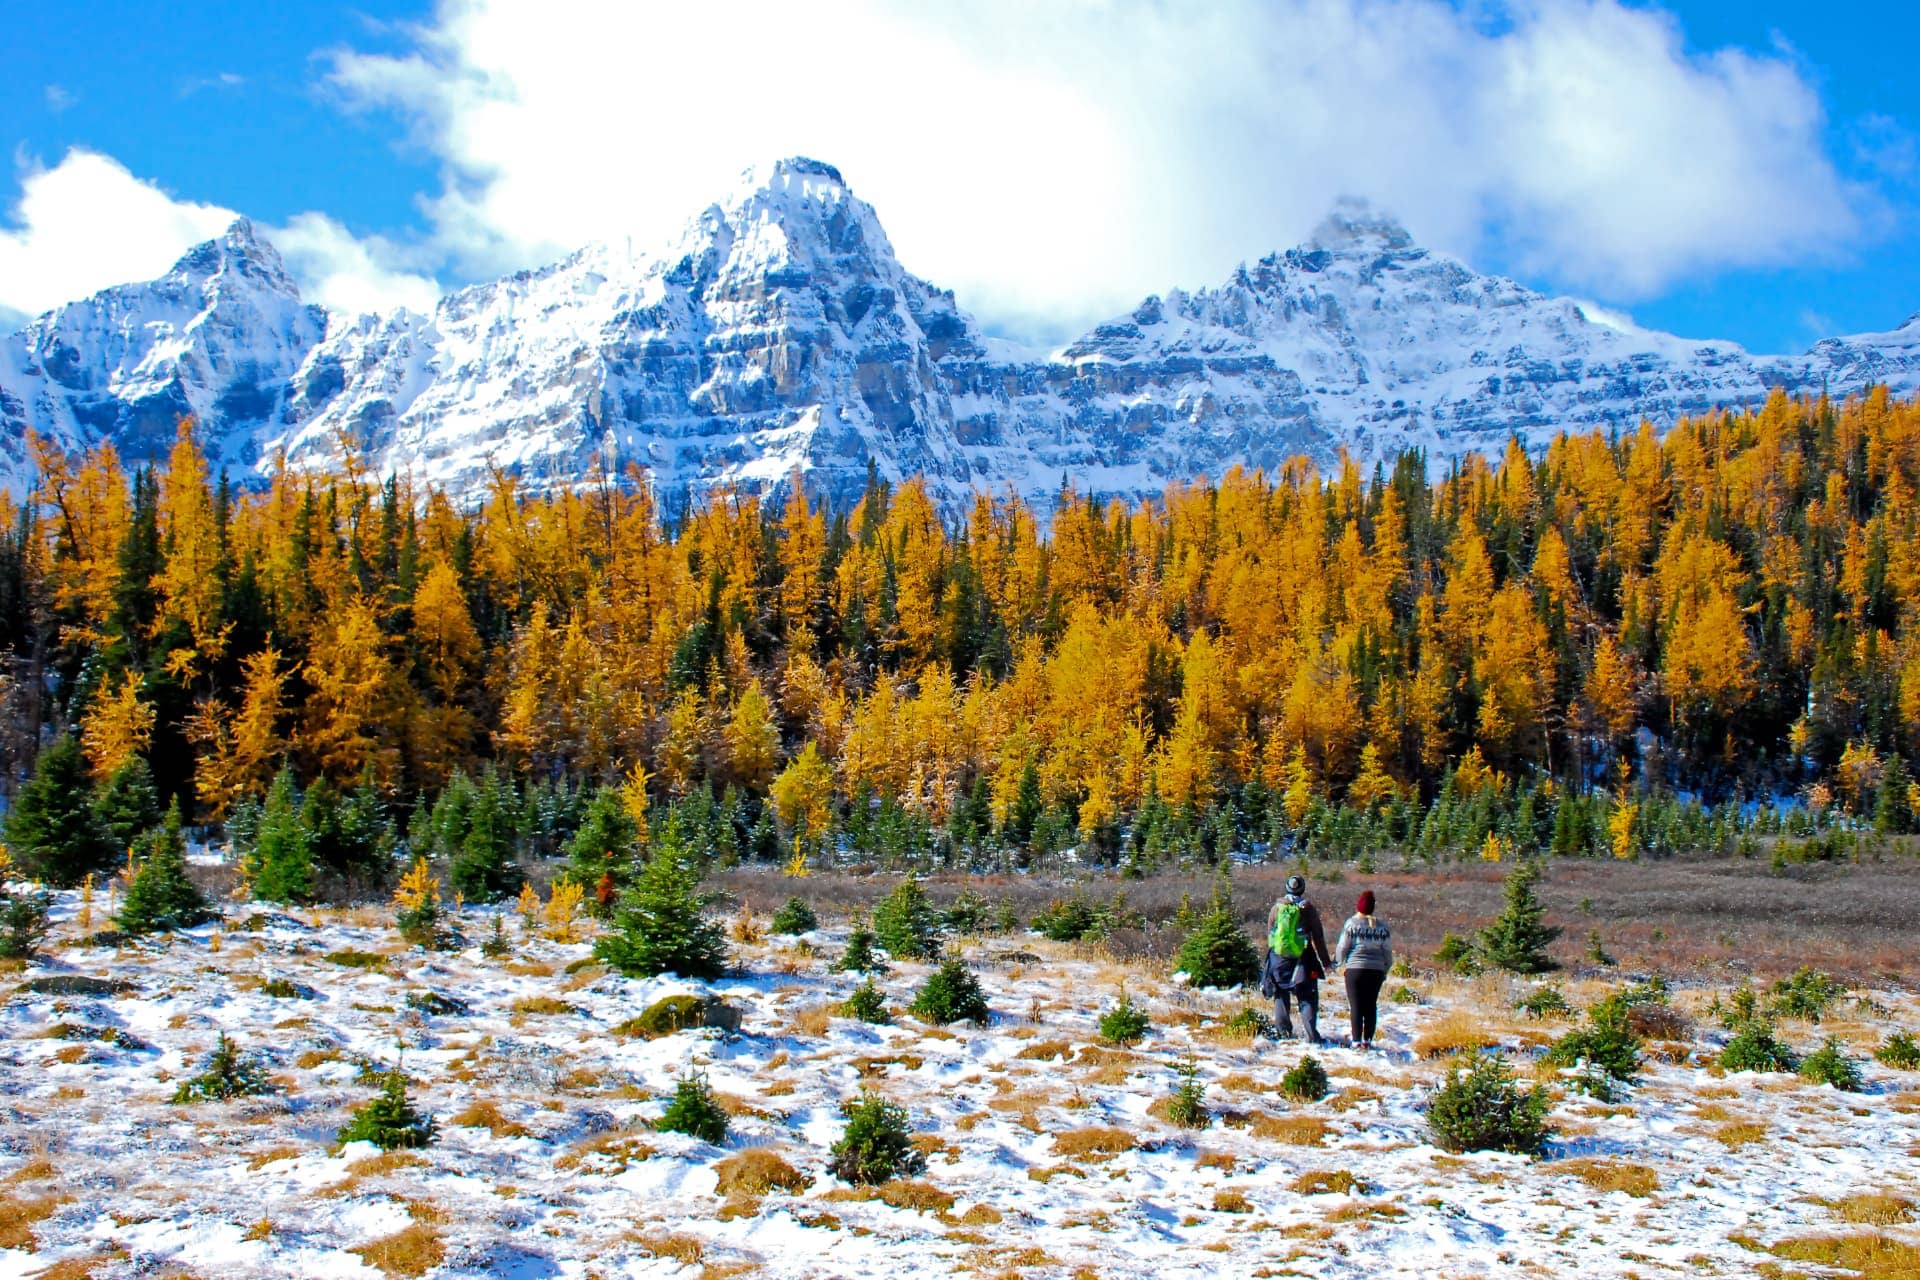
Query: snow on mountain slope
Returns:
{"type": "Point", "coordinates": [780, 333]}
{"type": "Point", "coordinates": [216, 338]}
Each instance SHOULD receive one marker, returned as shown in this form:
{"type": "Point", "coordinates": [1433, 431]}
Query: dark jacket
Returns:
{"type": "Point", "coordinates": [1318, 959]}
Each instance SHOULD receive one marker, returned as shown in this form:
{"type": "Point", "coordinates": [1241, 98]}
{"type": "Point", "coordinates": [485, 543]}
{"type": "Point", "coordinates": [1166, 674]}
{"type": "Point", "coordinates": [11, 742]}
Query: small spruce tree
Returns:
{"type": "Point", "coordinates": [52, 827]}
{"type": "Point", "coordinates": [877, 1144]}
{"type": "Point", "coordinates": [795, 916]}
{"type": "Point", "coordinates": [1518, 938]}
{"type": "Point", "coordinates": [906, 923]}
{"type": "Point", "coordinates": [162, 896]}
{"type": "Point", "coordinates": [1217, 953]}
{"type": "Point", "coordinates": [867, 1004]}
{"type": "Point", "coordinates": [484, 870]}
{"type": "Point", "coordinates": [1481, 1109]}
{"type": "Point", "coordinates": [693, 1111]}
{"type": "Point", "coordinates": [951, 994]}
{"type": "Point", "coordinates": [659, 927]}
{"type": "Point", "coordinates": [280, 864]}
{"type": "Point", "coordinates": [229, 1073]}
{"type": "Point", "coordinates": [606, 843]}
{"type": "Point", "coordinates": [128, 805]}
{"type": "Point", "coordinates": [389, 1121]}
{"type": "Point", "coordinates": [860, 956]}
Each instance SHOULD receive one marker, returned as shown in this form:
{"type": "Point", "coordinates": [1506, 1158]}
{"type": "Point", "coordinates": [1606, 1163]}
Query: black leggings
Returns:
{"type": "Point", "coordinates": [1363, 1002]}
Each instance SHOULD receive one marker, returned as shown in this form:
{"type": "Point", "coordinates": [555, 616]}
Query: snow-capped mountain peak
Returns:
{"type": "Point", "coordinates": [779, 332]}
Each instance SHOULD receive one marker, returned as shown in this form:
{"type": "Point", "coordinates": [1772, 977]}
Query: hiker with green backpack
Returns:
{"type": "Point", "coordinates": [1297, 959]}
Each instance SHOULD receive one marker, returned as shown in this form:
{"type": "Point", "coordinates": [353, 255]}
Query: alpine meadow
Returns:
{"type": "Point", "coordinates": [546, 739]}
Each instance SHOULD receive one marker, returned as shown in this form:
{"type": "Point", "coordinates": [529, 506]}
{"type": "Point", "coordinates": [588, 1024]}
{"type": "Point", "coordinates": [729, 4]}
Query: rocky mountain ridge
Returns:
{"type": "Point", "coordinates": [781, 332]}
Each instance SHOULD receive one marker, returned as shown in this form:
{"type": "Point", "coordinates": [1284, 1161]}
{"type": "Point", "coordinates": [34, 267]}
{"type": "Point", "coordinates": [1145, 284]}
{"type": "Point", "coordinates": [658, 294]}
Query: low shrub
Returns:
{"type": "Point", "coordinates": [951, 993]}
{"type": "Point", "coordinates": [1458, 954]}
{"type": "Point", "coordinates": [288, 989]}
{"type": "Point", "coordinates": [1754, 1047]}
{"type": "Point", "coordinates": [1126, 1023]}
{"type": "Point", "coordinates": [229, 1073]}
{"type": "Point", "coordinates": [1807, 995]}
{"type": "Point", "coordinates": [860, 956]}
{"type": "Point", "coordinates": [867, 1004]}
{"type": "Point", "coordinates": [794, 917]}
{"type": "Point", "coordinates": [1899, 1051]}
{"type": "Point", "coordinates": [1064, 919]}
{"type": "Point", "coordinates": [1829, 1064]}
{"type": "Point", "coordinates": [1547, 1002]}
{"type": "Point", "coordinates": [352, 959]}
{"type": "Point", "coordinates": [1306, 1081]}
{"type": "Point", "coordinates": [437, 1005]}
{"type": "Point", "coordinates": [1480, 1108]}
{"type": "Point", "coordinates": [877, 1144]}
{"type": "Point", "coordinates": [1607, 1042]}
{"type": "Point", "coordinates": [497, 946]}
{"type": "Point", "coordinates": [389, 1121]}
{"type": "Point", "coordinates": [24, 922]}
{"type": "Point", "coordinates": [1404, 994]}
{"type": "Point", "coordinates": [1187, 1107]}
{"type": "Point", "coordinates": [694, 1111]}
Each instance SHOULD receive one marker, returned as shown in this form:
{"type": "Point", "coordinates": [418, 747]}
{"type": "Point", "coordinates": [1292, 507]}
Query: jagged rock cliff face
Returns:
{"type": "Point", "coordinates": [781, 333]}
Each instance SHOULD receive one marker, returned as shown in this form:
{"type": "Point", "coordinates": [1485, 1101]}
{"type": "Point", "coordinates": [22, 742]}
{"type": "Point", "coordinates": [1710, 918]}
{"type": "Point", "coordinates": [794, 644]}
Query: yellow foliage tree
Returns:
{"type": "Point", "coordinates": [118, 727]}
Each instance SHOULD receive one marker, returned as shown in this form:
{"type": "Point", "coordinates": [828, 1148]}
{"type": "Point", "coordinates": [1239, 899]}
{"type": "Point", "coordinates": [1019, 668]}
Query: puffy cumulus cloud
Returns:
{"type": "Point", "coordinates": [88, 223]}
{"type": "Point", "coordinates": [1060, 159]}
{"type": "Point", "coordinates": [347, 273]}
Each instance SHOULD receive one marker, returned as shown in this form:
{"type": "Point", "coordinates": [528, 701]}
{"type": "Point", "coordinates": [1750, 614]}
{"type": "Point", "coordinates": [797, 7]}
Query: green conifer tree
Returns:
{"type": "Point", "coordinates": [658, 925]}
{"type": "Point", "coordinates": [1518, 938]}
{"type": "Point", "coordinates": [1217, 953]}
{"type": "Point", "coordinates": [484, 869]}
{"type": "Point", "coordinates": [906, 923]}
{"type": "Point", "coordinates": [127, 805]}
{"type": "Point", "coordinates": [606, 842]}
{"type": "Point", "coordinates": [52, 828]}
{"type": "Point", "coordinates": [280, 865]}
{"type": "Point", "coordinates": [162, 896]}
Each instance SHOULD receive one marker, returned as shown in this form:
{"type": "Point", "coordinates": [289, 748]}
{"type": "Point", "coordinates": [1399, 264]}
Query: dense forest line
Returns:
{"type": "Point", "coordinates": [1604, 649]}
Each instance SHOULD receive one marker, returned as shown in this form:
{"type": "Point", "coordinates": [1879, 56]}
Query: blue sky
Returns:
{"type": "Point", "coordinates": [1048, 171]}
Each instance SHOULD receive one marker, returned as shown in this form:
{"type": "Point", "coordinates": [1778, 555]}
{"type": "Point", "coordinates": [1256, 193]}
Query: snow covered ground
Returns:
{"type": "Point", "coordinates": [101, 1175]}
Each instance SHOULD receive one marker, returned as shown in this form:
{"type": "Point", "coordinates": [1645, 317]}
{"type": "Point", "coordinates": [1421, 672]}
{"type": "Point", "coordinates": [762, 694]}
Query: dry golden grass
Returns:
{"type": "Point", "coordinates": [607, 1153]}
{"type": "Point", "coordinates": [484, 1113]}
{"type": "Point", "coordinates": [1229, 1201]}
{"type": "Point", "coordinates": [411, 1251]}
{"type": "Point", "coordinates": [814, 1021]}
{"type": "Point", "coordinates": [1457, 1032]}
{"type": "Point", "coordinates": [1094, 1140]}
{"type": "Point", "coordinates": [1871, 1255]}
{"type": "Point", "coordinates": [756, 1172]}
{"type": "Point", "coordinates": [1295, 1131]}
{"type": "Point", "coordinates": [530, 968]}
{"type": "Point", "coordinates": [1739, 1133]}
{"type": "Point", "coordinates": [261, 1159]}
{"type": "Point", "coordinates": [922, 1197]}
{"type": "Point", "coordinates": [684, 1249]}
{"type": "Point", "coordinates": [542, 1006]}
{"type": "Point", "coordinates": [1610, 1175]}
{"type": "Point", "coordinates": [1873, 1209]}
{"type": "Point", "coordinates": [1240, 1082]}
{"type": "Point", "coordinates": [1094, 1055]}
{"type": "Point", "coordinates": [384, 1163]}
{"type": "Point", "coordinates": [38, 1169]}
{"type": "Point", "coordinates": [1045, 1051]}
{"type": "Point", "coordinates": [1216, 1160]}
{"type": "Point", "coordinates": [980, 1215]}
{"type": "Point", "coordinates": [70, 1269]}
{"type": "Point", "coordinates": [19, 1213]}
{"type": "Point", "coordinates": [1325, 1182]}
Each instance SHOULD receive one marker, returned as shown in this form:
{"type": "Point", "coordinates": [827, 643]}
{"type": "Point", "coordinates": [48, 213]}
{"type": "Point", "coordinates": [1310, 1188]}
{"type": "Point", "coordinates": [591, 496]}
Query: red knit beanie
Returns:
{"type": "Point", "coordinates": [1365, 905]}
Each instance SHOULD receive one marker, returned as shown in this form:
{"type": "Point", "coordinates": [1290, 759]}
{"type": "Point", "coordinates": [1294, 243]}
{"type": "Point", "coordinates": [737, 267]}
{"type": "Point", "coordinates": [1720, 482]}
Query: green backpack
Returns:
{"type": "Point", "coordinates": [1289, 938]}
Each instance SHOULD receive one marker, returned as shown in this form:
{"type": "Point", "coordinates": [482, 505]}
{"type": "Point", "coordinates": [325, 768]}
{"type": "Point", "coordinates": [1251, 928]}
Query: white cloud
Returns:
{"type": "Point", "coordinates": [59, 97]}
{"type": "Point", "coordinates": [1058, 160]}
{"type": "Point", "coordinates": [348, 273]}
{"type": "Point", "coordinates": [88, 223]}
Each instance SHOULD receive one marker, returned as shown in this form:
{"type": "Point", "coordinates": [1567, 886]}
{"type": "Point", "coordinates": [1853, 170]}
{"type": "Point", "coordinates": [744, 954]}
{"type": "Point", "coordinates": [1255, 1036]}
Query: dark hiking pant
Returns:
{"type": "Point", "coordinates": [1363, 1002]}
{"type": "Point", "coordinates": [1307, 996]}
